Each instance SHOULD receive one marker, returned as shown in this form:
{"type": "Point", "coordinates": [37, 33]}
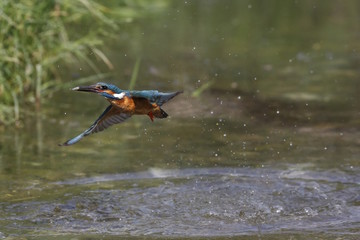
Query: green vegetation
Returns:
{"type": "Point", "coordinates": [37, 37]}
{"type": "Point", "coordinates": [34, 39]}
{"type": "Point", "coordinates": [134, 74]}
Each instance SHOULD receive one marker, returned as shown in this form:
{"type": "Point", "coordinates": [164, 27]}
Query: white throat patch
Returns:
{"type": "Point", "coordinates": [119, 95]}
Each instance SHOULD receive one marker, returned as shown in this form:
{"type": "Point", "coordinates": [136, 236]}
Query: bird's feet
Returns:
{"type": "Point", "coordinates": [151, 116]}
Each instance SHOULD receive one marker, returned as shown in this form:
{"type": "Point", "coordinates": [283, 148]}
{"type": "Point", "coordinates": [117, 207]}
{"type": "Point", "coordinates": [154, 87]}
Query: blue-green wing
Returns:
{"type": "Point", "coordinates": [154, 96]}
{"type": "Point", "coordinates": [109, 117]}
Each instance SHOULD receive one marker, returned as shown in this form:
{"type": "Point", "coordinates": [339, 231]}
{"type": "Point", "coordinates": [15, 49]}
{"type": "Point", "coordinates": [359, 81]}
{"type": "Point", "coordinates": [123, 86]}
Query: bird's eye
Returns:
{"type": "Point", "coordinates": [104, 87]}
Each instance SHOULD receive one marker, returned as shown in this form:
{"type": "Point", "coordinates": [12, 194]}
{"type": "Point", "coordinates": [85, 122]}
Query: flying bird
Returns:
{"type": "Point", "coordinates": [123, 104]}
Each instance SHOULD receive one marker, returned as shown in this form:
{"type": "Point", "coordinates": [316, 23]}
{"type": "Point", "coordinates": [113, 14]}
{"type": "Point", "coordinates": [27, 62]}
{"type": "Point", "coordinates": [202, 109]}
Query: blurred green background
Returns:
{"type": "Point", "coordinates": [279, 50]}
{"type": "Point", "coordinates": [269, 85]}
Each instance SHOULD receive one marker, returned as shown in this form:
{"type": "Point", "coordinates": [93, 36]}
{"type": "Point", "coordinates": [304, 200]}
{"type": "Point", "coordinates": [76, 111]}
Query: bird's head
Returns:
{"type": "Point", "coordinates": [107, 90]}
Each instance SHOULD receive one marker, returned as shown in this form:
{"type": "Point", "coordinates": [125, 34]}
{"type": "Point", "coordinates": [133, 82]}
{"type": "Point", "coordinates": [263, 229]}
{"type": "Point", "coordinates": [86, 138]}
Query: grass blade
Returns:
{"type": "Point", "coordinates": [134, 74]}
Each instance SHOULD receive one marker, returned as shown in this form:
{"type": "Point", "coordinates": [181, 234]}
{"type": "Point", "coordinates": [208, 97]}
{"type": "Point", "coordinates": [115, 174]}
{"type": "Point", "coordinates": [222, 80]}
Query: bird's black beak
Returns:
{"type": "Point", "coordinates": [91, 88]}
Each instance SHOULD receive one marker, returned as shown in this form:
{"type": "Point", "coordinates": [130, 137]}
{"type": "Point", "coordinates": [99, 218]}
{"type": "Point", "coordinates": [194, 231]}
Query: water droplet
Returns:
{"type": "Point", "coordinates": [310, 212]}
{"type": "Point", "coordinates": [279, 209]}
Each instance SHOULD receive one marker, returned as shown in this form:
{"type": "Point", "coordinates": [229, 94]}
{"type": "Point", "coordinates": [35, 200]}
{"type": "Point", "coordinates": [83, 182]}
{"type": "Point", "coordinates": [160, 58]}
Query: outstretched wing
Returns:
{"type": "Point", "coordinates": [154, 96]}
{"type": "Point", "coordinates": [110, 116]}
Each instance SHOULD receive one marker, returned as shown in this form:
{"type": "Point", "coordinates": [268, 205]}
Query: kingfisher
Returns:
{"type": "Point", "coordinates": [123, 104]}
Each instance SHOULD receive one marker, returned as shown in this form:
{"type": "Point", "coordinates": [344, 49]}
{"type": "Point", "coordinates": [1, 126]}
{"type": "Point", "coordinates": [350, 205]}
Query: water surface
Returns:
{"type": "Point", "coordinates": [268, 150]}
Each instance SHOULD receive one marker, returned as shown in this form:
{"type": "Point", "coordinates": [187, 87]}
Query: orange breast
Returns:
{"type": "Point", "coordinates": [126, 104]}
{"type": "Point", "coordinates": [143, 106]}
{"type": "Point", "coordinates": [135, 105]}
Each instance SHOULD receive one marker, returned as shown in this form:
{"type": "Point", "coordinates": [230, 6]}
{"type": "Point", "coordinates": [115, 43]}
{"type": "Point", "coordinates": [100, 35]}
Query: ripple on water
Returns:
{"type": "Point", "coordinates": [198, 202]}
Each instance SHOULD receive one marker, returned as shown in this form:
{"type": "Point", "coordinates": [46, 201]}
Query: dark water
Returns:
{"type": "Point", "coordinates": [269, 150]}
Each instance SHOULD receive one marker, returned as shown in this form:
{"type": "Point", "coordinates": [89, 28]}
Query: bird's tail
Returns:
{"type": "Point", "coordinates": [159, 114]}
{"type": "Point", "coordinates": [162, 114]}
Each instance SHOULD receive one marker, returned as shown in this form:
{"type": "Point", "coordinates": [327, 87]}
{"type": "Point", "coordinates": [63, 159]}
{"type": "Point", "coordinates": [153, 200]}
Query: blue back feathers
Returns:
{"type": "Point", "coordinates": [152, 95]}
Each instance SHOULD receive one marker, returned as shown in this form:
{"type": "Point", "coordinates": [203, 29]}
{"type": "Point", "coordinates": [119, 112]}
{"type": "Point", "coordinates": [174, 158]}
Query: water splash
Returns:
{"type": "Point", "coordinates": [196, 202]}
